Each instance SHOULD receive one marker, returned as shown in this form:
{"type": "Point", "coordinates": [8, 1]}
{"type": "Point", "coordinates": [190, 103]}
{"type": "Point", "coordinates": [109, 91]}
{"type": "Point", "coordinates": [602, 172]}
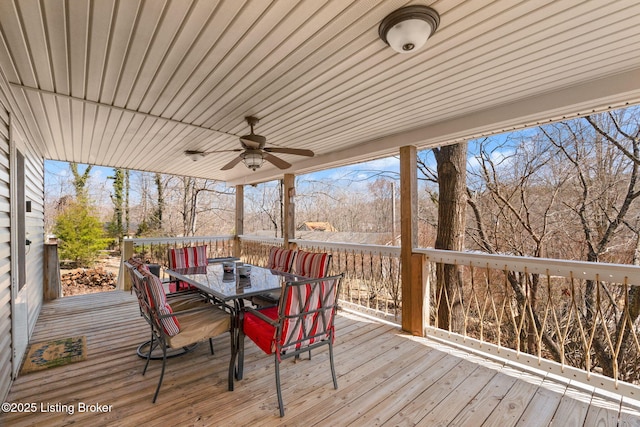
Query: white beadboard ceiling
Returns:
{"type": "Point", "coordinates": [134, 83]}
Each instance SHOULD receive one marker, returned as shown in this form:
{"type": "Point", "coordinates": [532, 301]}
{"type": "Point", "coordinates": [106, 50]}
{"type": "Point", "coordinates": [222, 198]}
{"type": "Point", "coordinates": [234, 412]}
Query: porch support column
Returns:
{"type": "Point", "coordinates": [413, 289]}
{"type": "Point", "coordinates": [289, 220]}
{"type": "Point", "coordinates": [52, 286]}
{"type": "Point", "coordinates": [124, 280]}
{"type": "Point", "coordinates": [237, 247]}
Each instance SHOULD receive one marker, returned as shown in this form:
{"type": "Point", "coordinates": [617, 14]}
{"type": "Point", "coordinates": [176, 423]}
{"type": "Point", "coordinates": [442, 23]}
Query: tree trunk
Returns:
{"type": "Point", "coordinates": [452, 200]}
{"type": "Point", "coordinates": [80, 181]}
{"type": "Point", "coordinates": [160, 209]}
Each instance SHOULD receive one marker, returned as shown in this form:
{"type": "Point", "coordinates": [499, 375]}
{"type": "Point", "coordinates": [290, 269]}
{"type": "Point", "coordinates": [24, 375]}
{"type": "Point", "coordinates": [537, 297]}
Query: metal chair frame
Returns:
{"type": "Point", "coordinates": [310, 335]}
{"type": "Point", "coordinates": [146, 349]}
{"type": "Point", "coordinates": [150, 313]}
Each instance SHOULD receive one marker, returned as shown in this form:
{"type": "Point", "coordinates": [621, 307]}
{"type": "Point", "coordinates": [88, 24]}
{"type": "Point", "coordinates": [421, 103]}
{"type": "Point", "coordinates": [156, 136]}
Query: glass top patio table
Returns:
{"type": "Point", "coordinates": [232, 286]}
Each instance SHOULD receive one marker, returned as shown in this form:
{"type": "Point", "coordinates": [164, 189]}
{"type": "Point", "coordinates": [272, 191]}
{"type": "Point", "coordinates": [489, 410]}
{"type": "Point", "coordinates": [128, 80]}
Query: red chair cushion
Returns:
{"type": "Point", "coordinates": [260, 332]}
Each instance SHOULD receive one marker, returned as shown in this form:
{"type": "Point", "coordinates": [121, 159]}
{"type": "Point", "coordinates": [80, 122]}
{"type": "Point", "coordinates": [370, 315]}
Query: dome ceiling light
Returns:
{"type": "Point", "coordinates": [407, 29]}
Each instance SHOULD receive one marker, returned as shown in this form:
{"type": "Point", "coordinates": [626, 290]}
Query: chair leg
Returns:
{"type": "Point", "coordinates": [146, 365]}
{"type": "Point", "coordinates": [211, 345]}
{"type": "Point", "coordinates": [280, 403]}
{"type": "Point", "coordinates": [164, 361]}
{"type": "Point", "coordinates": [333, 369]}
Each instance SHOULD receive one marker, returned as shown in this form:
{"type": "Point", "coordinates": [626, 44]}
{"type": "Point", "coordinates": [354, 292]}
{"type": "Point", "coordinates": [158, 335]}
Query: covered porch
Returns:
{"type": "Point", "coordinates": [152, 85]}
{"type": "Point", "coordinates": [385, 376]}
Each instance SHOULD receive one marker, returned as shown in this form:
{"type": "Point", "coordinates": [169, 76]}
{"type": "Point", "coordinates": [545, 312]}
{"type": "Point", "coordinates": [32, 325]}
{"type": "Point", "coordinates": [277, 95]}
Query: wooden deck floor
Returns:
{"type": "Point", "coordinates": [384, 377]}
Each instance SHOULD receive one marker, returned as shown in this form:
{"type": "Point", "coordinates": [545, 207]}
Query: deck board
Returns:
{"type": "Point", "coordinates": [485, 402]}
{"type": "Point", "coordinates": [385, 377]}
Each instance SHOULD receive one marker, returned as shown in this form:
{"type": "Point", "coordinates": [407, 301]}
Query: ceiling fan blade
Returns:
{"type": "Point", "coordinates": [235, 150]}
{"type": "Point", "coordinates": [204, 153]}
{"type": "Point", "coordinates": [253, 141]}
{"type": "Point", "coordinates": [231, 164]}
{"type": "Point", "coordinates": [277, 162]}
{"type": "Point", "coordinates": [296, 151]}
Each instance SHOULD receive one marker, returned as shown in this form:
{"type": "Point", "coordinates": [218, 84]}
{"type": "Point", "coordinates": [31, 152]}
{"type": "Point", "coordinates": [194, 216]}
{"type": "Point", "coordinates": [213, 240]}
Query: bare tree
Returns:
{"type": "Point", "coordinates": [452, 172]}
{"type": "Point", "coordinates": [566, 189]}
{"type": "Point", "coordinates": [512, 191]}
{"type": "Point", "coordinates": [192, 207]}
{"type": "Point", "coordinates": [604, 152]}
{"type": "Point", "coordinates": [265, 208]}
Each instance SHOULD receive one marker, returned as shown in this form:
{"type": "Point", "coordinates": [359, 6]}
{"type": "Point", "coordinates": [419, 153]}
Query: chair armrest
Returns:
{"type": "Point", "coordinates": [189, 310]}
{"type": "Point", "coordinates": [260, 316]}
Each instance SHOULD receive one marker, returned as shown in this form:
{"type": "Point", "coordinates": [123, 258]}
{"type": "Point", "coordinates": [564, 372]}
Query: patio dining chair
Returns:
{"type": "Point", "coordinates": [178, 329]}
{"type": "Point", "coordinates": [188, 256]}
{"type": "Point", "coordinates": [280, 259]}
{"type": "Point", "coordinates": [302, 321]}
{"type": "Point", "coordinates": [312, 264]}
{"type": "Point", "coordinates": [178, 301]}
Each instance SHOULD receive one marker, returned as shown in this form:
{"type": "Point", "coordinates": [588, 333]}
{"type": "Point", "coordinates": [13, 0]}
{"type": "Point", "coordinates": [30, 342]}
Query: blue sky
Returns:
{"type": "Point", "coordinates": [58, 180]}
{"type": "Point", "coordinates": [58, 175]}
{"type": "Point", "coordinates": [57, 171]}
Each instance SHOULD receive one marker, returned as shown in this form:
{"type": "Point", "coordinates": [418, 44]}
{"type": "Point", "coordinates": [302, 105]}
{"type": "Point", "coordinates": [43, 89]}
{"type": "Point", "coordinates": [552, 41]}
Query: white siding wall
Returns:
{"type": "Point", "coordinates": [14, 340]}
{"type": "Point", "coordinates": [34, 221]}
{"type": "Point", "coordinates": [5, 270]}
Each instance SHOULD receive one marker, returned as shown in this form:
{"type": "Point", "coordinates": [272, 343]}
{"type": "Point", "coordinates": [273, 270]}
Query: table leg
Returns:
{"type": "Point", "coordinates": [239, 304]}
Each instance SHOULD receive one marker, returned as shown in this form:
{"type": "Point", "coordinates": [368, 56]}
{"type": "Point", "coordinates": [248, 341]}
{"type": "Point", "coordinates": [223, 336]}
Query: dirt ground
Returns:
{"type": "Point", "coordinates": [107, 267]}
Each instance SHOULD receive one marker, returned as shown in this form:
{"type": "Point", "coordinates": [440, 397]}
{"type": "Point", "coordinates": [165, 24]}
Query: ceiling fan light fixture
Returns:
{"type": "Point", "coordinates": [253, 159]}
{"type": "Point", "coordinates": [194, 155]}
{"type": "Point", "coordinates": [407, 29]}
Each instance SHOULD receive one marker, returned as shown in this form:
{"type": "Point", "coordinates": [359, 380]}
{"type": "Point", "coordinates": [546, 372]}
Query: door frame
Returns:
{"type": "Point", "coordinates": [19, 297]}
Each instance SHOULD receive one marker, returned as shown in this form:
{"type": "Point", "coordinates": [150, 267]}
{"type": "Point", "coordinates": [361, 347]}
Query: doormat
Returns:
{"type": "Point", "coordinates": [48, 354]}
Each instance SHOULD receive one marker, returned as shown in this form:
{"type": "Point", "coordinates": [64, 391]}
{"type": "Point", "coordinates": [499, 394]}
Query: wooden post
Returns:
{"type": "Point", "coordinates": [124, 281]}
{"type": "Point", "coordinates": [52, 287]}
{"type": "Point", "coordinates": [420, 286]}
{"type": "Point", "coordinates": [289, 225]}
{"type": "Point", "coordinates": [237, 245]}
{"type": "Point", "coordinates": [412, 283]}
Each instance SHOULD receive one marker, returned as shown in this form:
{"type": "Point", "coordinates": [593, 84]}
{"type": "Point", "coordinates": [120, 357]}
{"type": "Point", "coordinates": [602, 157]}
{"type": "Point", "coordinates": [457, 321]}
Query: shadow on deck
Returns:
{"type": "Point", "coordinates": [384, 377]}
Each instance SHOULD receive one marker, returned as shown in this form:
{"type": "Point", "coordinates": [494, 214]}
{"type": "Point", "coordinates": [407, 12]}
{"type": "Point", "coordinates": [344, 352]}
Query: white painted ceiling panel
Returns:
{"type": "Point", "coordinates": [133, 83]}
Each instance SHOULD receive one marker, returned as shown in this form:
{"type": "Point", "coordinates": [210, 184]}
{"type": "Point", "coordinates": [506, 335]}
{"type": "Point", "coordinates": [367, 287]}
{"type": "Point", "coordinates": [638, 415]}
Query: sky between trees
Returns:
{"type": "Point", "coordinates": [526, 194]}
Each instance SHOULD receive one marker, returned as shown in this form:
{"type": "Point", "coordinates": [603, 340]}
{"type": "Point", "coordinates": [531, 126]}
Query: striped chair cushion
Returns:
{"type": "Point", "coordinates": [191, 256]}
{"type": "Point", "coordinates": [300, 299]}
{"type": "Point", "coordinates": [306, 316]}
{"type": "Point", "coordinates": [281, 259]}
{"type": "Point", "coordinates": [264, 334]}
{"type": "Point", "coordinates": [312, 265]}
{"type": "Point", "coordinates": [155, 292]}
{"type": "Point", "coordinates": [138, 264]}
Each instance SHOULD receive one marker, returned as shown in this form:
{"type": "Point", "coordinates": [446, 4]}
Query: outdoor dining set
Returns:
{"type": "Point", "coordinates": [286, 307]}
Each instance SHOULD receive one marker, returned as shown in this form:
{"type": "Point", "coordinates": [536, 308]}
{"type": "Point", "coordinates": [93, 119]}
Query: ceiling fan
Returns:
{"type": "Point", "coordinates": [253, 152]}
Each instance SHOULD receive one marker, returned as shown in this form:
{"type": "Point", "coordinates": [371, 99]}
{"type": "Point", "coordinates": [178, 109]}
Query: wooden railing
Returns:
{"type": "Point", "coordinates": [576, 319]}
{"type": "Point", "coordinates": [255, 250]}
{"type": "Point", "coordinates": [372, 275]}
{"type": "Point", "coordinates": [155, 250]}
{"type": "Point", "coordinates": [372, 272]}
